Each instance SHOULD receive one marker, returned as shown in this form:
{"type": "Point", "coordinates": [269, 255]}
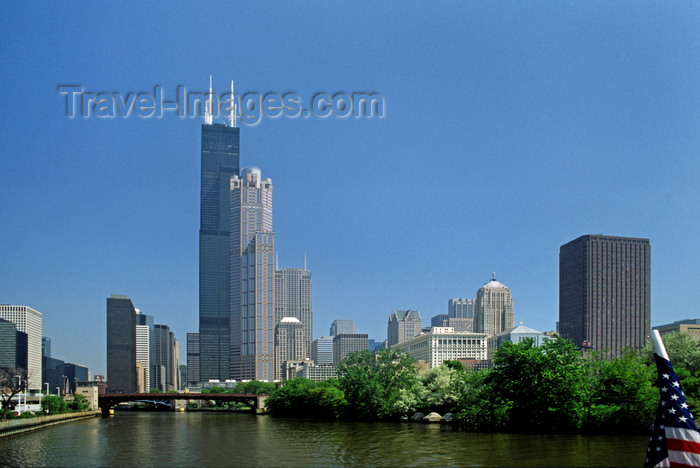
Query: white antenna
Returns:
{"type": "Point", "coordinates": [208, 117]}
{"type": "Point", "coordinates": [304, 261]}
{"type": "Point", "coordinates": [232, 116]}
{"type": "Point", "coordinates": [277, 261]}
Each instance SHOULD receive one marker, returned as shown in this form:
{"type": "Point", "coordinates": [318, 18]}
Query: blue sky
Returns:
{"type": "Point", "coordinates": [510, 128]}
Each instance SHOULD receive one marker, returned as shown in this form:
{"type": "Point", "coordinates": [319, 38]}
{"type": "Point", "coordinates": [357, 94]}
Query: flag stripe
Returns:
{"type": "Point", "coordinates": [682, 445]}
{"type": "Point", "coordinates": [682, 434]}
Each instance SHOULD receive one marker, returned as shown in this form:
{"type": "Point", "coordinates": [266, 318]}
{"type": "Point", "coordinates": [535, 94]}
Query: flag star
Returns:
{"type": "Point", "coordinates": [662, 427]}
{"type": "Point", "coordinates": [663, 403]}
{"type": "Point", "coordinates": [684, 405]}
{"type": "Point", "coordinates": [672, 410]}
{"type": "Point", "coordinates": [665, 376]}
{"type": "Point", "coordinates": [660, 437]}
{"type": "Point", "coordinates": [674, 397]}
{"type": "Point", "coordinates": [658, 449]}
{"type": "Point", "coordinates": [683, 418]}
{"type": "Point", "coordinates": [664, 389]}
{"type": "Point", "coordinates": [675, 384]}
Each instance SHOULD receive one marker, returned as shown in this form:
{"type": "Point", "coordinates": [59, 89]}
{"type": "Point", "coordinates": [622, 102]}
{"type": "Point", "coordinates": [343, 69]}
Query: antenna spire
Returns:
{"type": "Point", "coordinates": [277, 261]}
{"type": "Point", "coordinates": [304, 261]}
{"type": "Point", "coordinates": [208, 117]}
{"type": "Point", "coordinates": [232, 116]}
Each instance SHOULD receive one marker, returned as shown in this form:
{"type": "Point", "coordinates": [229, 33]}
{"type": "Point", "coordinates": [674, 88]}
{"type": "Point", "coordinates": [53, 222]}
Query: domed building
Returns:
{"type": "Point", "coordinates": [494, 308]}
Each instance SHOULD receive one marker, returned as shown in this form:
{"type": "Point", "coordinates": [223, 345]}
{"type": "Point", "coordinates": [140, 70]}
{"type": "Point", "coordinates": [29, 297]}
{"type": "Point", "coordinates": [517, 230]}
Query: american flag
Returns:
{"type": "Point", "coordinates": [675, 440]}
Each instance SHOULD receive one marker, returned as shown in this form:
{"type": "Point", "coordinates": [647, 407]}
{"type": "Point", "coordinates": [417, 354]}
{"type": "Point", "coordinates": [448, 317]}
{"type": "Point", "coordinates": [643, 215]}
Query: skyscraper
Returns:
{"type": "Point", "coordinates": [342, 326]}
{"type": "Point", "coordinates": [461, 308]}
{"type": "Point", "coordinates": [322, 350]}
{"type": "Point", "coordinates": [252, 278]}
{"type": "Point", "coordinates": [605, 292]}
{"type": "Point", "coordinates": [121, 345]}
{"type": "Point", "coordinates": [193, 358]}
{"type": "Point", "coordinates": [293, 298]}
{"type": "Point", "coordinates": [403, 325]}
{"type": "Point", "coordinates": [290, 344]}
{"type": "Point", "coordinates": [143, 353]}
{"type": "Point", "coordinates": [28, 320]}
{"type": "Point", "coordinates": [220, 161]}
{"type": "Point", "coordinates": [346, 343]}
{"type": "Point", "coordinates": [493, 311]}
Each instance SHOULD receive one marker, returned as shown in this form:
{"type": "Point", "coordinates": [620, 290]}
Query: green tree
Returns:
{"type": "Point", "coordinates": [155, 390]}
{"type": "Point", "coordinates": [683, 351]}
{"type": "Point", "coordinates": [301, 397]}
{"type": "Point", "coordinates": [13, 381]}
{"type": "Point", "coordinates": [54, 404]}
{"type": "Point", "coordinates": [255, 387]}
{"type": "Point", "coordinates": [378, 385]}
{"type": "Point", "coordinates": [542, 387]}
{"type": "Point", "coordinates": [624, 398]}
{"type": "Point", "coordinates": [79, 403]}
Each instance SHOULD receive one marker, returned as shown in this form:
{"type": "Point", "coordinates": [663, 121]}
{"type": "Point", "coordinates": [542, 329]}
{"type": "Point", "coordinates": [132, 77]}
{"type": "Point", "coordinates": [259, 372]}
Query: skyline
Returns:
{"type": "Point", "coordinates": [509, 130]}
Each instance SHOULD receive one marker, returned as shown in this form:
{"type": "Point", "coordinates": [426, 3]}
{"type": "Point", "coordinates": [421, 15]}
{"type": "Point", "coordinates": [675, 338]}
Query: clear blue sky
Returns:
{"type": "Point", "coordinates": [510, 128]}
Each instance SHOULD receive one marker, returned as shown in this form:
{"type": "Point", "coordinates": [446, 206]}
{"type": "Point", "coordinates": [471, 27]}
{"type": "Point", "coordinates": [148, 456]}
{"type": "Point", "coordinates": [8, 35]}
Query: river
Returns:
{"type": "Point", "coordinates": [234, 439]}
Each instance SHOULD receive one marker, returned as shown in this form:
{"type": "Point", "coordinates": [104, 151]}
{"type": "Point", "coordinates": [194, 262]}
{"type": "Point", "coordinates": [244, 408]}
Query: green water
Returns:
{"type": "Point", "coordinates": [229, 439]}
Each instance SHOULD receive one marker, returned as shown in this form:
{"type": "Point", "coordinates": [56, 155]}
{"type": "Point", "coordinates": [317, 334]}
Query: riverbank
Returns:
{"type": "Point", "coordinates": [16, 426]}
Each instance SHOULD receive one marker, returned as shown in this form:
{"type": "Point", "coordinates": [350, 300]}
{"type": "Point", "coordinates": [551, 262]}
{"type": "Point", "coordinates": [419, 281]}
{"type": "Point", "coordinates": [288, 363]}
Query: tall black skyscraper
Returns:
{"type": "Point", "coordinates": [604, 292]}
{"type": "Point", "coordinates": [121, 345]}
{"type": "Point", "coordinates": [220, 160]}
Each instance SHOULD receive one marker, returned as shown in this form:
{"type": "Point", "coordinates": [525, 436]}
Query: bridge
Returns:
{"type": "Point", "coordinates": [108, 400]}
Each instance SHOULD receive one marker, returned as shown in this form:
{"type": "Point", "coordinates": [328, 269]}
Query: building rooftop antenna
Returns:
{"type": "Point", "coordinates": [208, 117]}
{"type": "Point", "coordinates": [232, 116]}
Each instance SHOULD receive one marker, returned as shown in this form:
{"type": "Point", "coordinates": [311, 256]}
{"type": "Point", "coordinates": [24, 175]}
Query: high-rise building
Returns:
{"type": "Point", "coordinates": [121, 345]}
{"type": "Point", "coordinates": [46, 346]}
{"type": "Point", "coordinates": [164, 358]}
{"type": "Point", "coordinates": [193, 358]}
{"type": "Point", "coordinates": [13, 346]}
{"type": "Point", "coordinates": [689, 326]}
{"type": "Point", "coordinates": [75, 373]}
{"type": "Point", "coordinates": [346, 343]}
{"type": "Point", "coordinates": [403, 325]}
{"type": "Point", "coordinates": [147, 320]}
{"type": "Point", "coordinates": [322, 351]}
{"type": "Point", "coordinates": [439, 320]}
{"type": "Point", "coordinates": [143, 354]}
{"type": "Point", "coordinates": [605, 292]}
{"type": "Point", "coordinates": [493, 312]}
{"type": "Point", "coordinates": [252, 277]}
{"type": "Point", "coordinates": [54, 372]}
{"type": "Point", "coordinates": [342, 326]}
{"type": "Point", "coordinates": [220, 161]}
{"type": "Point", "coordinates": [290, 344]}
{"type": "Point", "coordinates": [461, 308]}
{"type": "Point", "coordinates": [28, 320]}
{"type": "Point", "coordinates": [293, 298]}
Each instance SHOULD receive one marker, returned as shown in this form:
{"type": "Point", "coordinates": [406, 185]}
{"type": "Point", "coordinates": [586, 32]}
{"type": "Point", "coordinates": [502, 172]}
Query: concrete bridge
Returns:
{"type": "Point", "coordinates": [108, 400]}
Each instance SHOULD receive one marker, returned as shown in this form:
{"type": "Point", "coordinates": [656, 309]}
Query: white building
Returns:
{"type": "Point", "coordinates": [143, 352]}
{"type": "Point", "coordinates": [444, 343]}
{"type": "Point", "coordinates": [493, 312]}
{"type": "Point", "coordinates": [322, 351]}
{"type": "Point", "coordinates": [293, 298]}
{"type": "Point", "coordinates": [28, 320]}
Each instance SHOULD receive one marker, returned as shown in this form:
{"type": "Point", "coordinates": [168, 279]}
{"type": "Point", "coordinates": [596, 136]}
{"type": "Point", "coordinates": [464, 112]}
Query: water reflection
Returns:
{"type": "Point", "coordinates": [205, 439]}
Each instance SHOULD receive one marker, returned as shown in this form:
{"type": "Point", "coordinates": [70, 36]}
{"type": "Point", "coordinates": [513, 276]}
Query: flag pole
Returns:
{"type": "Point", "coordinates": [659, 347]}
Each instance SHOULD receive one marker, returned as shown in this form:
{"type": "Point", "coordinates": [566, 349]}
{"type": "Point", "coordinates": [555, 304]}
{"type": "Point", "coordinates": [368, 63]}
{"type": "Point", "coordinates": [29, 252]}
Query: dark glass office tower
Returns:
{"type": "Point", "coordinates": [220, 160]}
{"type": "Point", "coordinates": [121, 345]}
{"type": "Point", "coordinates": [605, 292]}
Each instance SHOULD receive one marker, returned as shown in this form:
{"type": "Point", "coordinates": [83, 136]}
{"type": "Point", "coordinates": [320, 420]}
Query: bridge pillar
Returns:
{"type": "Point", "coordinates": [260, 404]}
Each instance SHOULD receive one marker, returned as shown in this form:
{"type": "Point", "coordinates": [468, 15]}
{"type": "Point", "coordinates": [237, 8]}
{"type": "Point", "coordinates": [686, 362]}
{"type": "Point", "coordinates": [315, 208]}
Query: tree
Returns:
{"type": "Point", "coordinates": [79, 403]}
{"type": "Point", "coordinates": [378, 385]}
{"type": "Point", "coordinates": [302, 397]}
{"type": "Point", "coordinates": [54, 404]}
{"type": "Point", "coordinates": [13, 381]}
{"type": "Point", "coordinates": [543, 388]}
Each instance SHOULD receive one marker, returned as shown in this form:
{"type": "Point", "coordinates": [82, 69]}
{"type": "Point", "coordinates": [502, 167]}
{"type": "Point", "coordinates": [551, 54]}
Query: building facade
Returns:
{"type": "Point", "coordinates": [403, 325]}
{"type": "Point", "coordinates": [143, 355]}
{"type": "Point", "coordinates": [219, 161]}
{"type": "Point", "coordinates": [443, 343]}
{"type": "Point", "coordinates": [28, 320]}
{"type": "Point", "coordinates": [342, 326]}
{"type": "Point", "coordinates": [605, 292]}
{"type": "Point", "coordinates": [193, 376]}
{"type": "Point", "coordinates": [293, 298]}
{"type": "Point", "coordinates": [290, 345]}
{"type": "Point", "coordinates": [322, 351]}
{"type": "Point", "coordinates": [689, 326]}
{"type": "Point", "coordinates": [252, 275]}
{"type": "Point", "coordinates": [493, 311]}
{"type": "Point", "coordinates": [461, 308]}
{"type": "Point", "coordinates": [121, 345]}
{"type": "Point", "coordinates": [346, 343]}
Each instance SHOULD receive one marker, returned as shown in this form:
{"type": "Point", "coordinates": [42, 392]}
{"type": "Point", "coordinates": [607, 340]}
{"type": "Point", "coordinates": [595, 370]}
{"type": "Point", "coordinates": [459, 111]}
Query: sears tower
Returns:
{"type": "Point", "coordinates": [220, 161]}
